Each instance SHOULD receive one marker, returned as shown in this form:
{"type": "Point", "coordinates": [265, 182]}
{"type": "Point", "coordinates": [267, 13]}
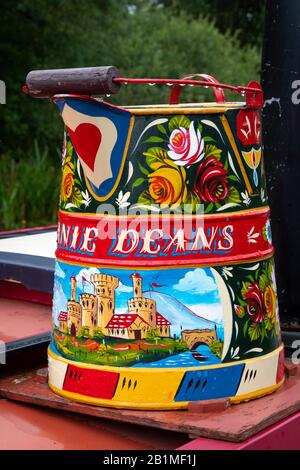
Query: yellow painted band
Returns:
{"type": "Point", "coordinates": [179, 106]}
{"type": "Point", "coordinates": [148, 111]}
{"type": "Point", "coordinates": [156, 375]}
{"type": "Point", "coordinates": [111, 404]}
{"type": "Point", "coordinates": [259, 393]}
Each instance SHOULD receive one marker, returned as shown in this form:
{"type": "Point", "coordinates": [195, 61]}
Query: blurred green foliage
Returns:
{"type": "Point", "coordinates": [29, 189]}
{"type": "Point", "coordinates": [141, 37]}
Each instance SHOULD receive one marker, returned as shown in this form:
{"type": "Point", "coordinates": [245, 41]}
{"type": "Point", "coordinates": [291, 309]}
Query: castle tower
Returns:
{"type": "Point", "coordinates": [137, 285]}
{"type": "Point", "coordinates": [105, 286]}
{"type": "Point", "coordinates": [73, 288]}
{"type": "Point", "coordinates": [74, 311]}
{"type": "Point", "coordinates": [88, 304]}
{"type": "Point", "coordinates": [145, 308]}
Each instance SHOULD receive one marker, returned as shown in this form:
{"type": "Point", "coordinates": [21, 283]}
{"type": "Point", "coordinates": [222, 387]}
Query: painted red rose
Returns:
{"type": "Point", "coordinates": [255, 303]}
{"type": "Point", "coordinates": [211, 180]}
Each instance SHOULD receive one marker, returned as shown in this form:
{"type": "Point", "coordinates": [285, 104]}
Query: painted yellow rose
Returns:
{"type": "Point", "coordinates": [167, 183]}
{"type": "Point", "coordinates": [270, 303]}
{"type": "Point", "coordinates": [67, 184]}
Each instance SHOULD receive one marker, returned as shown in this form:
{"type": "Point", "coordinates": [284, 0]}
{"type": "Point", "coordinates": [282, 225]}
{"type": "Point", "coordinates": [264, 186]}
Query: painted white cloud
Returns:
{"type": "Point", "coordinates": [123, 288]}
{"type": "Point", "coordinates": [196, 282]}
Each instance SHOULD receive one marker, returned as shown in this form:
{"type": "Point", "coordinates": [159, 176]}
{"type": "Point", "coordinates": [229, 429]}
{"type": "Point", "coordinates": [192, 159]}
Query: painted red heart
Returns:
{"type": "Point", "coordinates": [86, 139]}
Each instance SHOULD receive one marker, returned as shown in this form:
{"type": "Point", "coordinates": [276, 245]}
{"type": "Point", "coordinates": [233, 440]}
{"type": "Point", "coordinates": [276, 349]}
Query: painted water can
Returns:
{"type": "Point", "coordinates": [164, 285]}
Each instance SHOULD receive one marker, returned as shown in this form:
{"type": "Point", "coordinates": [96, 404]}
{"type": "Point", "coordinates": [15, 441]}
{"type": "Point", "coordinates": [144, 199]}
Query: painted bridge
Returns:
{"type": "Point", "coordinates": [194, 338]}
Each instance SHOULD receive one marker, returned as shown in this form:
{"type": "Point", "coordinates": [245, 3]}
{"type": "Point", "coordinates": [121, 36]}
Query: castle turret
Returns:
{"type": "Point", "coordinates": [145, 308]}
{"type": "Point", "coordinates": [74, 311]}
{"type": "Point", "coordinates": [88, 304]}
{"type": "Point", "coordinates": [73, 287]}
{"type": "Point", "coordinates": [137, 285]}
{"type": "Point", "coordinates": [105, 286]}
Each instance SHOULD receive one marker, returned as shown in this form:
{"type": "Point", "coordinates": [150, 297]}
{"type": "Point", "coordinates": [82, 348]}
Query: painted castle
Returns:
{"type": "Point", "coordinates": [98, 310]}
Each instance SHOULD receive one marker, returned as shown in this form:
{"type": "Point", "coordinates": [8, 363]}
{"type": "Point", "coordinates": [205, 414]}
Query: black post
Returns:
{"type": "Point", "coordinates": [281, 136]}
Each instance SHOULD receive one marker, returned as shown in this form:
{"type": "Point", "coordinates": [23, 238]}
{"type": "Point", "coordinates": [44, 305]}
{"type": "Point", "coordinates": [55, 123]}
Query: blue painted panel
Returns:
{"type": "Point", "coordinates": [211, 383]}
{"type": "Point", "coordinates": [121, 121]}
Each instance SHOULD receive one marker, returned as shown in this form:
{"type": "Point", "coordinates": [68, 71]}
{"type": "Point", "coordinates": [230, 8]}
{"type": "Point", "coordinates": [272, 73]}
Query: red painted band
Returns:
{"type": "Point", "coordinates": [210, 239]}
{"type": "Point", "coordinates": [90, 382]}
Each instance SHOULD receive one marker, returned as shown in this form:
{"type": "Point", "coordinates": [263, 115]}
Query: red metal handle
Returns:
{"type": "Point", "coordinates": [176, 89]}
{"type": "Point", "coordinates": [253, 92]}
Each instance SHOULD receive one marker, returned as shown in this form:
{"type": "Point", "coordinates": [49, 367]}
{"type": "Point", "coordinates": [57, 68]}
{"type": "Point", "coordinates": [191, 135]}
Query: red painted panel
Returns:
{"type": "Point", "coordinates": [91, 382]}
{"type": "Point", "coordinates": [227, 242]}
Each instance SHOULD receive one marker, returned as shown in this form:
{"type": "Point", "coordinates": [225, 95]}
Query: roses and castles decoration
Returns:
{"type": "Point", "coordinates": [165, 290]}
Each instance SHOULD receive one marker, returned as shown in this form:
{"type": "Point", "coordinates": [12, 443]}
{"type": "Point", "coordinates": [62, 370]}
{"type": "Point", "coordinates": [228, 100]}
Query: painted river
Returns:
{"type": "Point", "coordinates": [185, 359]}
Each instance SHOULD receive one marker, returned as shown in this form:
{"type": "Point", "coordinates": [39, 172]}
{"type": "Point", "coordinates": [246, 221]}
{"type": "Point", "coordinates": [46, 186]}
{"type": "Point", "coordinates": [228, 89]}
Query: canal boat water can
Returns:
{"type": "Point", "coordinates": [164, 285]}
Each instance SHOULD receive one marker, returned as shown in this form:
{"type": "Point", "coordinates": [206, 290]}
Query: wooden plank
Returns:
{"type": "Point", "coordinates": [234, 424]}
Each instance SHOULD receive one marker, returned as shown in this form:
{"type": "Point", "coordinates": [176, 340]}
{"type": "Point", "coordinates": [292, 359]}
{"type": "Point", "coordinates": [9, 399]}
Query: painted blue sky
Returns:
{"type": "Point", "coordinates": [194, 287]}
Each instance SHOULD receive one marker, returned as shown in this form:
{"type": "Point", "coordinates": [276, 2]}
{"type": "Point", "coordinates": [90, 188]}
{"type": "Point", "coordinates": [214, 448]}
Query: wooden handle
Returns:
{"type": "Point", "coordinates": [176, 89]}
{"type": "Point", "coordinates": [81, 81]}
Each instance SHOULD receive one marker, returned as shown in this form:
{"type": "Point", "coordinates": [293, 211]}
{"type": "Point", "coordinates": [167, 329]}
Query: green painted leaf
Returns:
{"type": "Point", "coordinates": [76, 197]}
{"type": "Point", "coordinates": [233, 196]}
{"type": "Point", "coordinates": [263, 282]}
{"type": "Point", "coordinates": [155, 154]}
{"type": "Point", "coordinates": [69, 148]}
{"type": "Point", "coordinates": [138, 182]}
{"type": "Point", "coordinates": [208, 138]}
{"type": "Point", "coordinates": [245, 286]}
{"type": "Point", "coordinates": [241, 302]}
{"type": "Point", "coordinates": [263, 332]}
{"type": "Point", "coordinates": [232, 178]}
{"type": "Point", "coordinates": [161, 129]}
{"type": "Point", "coordinates": [245, 329]}
{"type": "Point", "coordinates": [179, 121]}
{"type": "Point", "coordinates": [154, 138]}
{"type": "Point", "coordinates": [193, 200]}
{"type": "Point", "coordinates": [143, 170]}
{"type": "Point", "coordinates": [254, 331]}
{"type": "Point", "coordinates": [268, 323]}
{"type": "Point", "coordinates": [145, 198]}
{"type": "Point", "coordinates": [212, 151]}
{"type": "Point", "coordinates": [209, 208]}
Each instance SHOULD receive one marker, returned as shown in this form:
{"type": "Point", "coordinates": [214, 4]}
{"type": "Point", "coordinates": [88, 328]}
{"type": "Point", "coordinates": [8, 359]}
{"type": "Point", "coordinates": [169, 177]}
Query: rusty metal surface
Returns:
{"type": "Point", "coordinates": [27, 427]}
{"type": "Point", "coordinates": [235, 424]}
{"type": "Point", "coordinates": [19, 319]}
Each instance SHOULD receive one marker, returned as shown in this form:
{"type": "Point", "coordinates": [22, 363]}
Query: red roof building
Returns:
{"type": "Point", "coordinates": [161, 321]}
{"type": "Point", "coordinates": [124, 321]}
{"type": "Point", "coordinates": [63, 316]}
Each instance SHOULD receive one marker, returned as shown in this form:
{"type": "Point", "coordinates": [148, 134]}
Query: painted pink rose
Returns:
{"type": "Point", "coordinates": [186, 146]}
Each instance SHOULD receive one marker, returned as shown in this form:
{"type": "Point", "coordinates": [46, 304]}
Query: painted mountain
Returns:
{"type": "Point", "coordinates": [177, 313]}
